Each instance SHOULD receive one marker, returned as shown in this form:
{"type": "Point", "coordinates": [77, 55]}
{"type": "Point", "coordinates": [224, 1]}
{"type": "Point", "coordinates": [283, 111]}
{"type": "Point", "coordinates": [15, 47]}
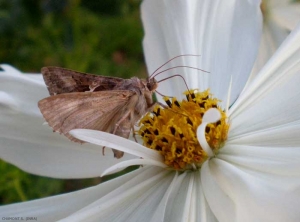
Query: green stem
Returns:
{"type": "Point", "coordinates": [19, 190]}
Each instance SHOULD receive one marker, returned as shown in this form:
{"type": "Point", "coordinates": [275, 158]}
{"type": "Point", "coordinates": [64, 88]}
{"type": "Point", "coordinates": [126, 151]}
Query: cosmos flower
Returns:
{"type": "Point", "coordinates": [252, 175]}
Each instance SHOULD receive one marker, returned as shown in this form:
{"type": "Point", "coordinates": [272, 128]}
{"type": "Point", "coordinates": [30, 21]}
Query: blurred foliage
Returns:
{"type": "Point", "coordinates": [17, 185]}
{"type": "Point", "coordinates": [101, 37]}
{"type": "Point", "coordinates": [89, 36]}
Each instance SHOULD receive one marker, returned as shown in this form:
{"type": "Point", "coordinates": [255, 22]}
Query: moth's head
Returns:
{"type": "Point", "coordinates": [152, 84]}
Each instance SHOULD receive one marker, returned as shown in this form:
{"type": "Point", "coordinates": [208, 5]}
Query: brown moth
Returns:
{"type": "Point", "coordinates": [87, 101]}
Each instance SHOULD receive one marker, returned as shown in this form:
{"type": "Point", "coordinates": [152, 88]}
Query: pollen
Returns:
{"type": "Point", "coordinates": [172, 131]}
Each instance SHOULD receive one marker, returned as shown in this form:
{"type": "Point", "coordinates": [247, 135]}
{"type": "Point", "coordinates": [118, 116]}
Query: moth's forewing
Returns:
{"type": "Point", "coordinates": [82, 100]}
{"type": "Point", "coordinates": [60, 80]}
{"type": "Point", "coordinates": [87, 110]}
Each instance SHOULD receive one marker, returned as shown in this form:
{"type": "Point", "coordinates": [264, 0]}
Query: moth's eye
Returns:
{"type": "Point", "coordinates": [149, 86]}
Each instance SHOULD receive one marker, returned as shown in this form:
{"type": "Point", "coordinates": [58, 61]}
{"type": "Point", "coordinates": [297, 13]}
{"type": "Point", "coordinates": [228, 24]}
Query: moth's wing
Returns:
{"type": "Point", "coordinates": [85, 110]}
{"type": "Point", "coordinates": [60, 80]}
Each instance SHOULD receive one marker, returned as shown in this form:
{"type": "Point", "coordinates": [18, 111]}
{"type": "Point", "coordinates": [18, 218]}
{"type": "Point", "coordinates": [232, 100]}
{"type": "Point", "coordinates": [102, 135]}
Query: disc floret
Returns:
{"type": "Point", "coordinates": [172, 131]}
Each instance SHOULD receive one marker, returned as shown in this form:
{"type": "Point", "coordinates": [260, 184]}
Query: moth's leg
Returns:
{"type": "Point", "coordinates": [116, 155]}
{"type": "Point", "coordinates": [163, 105]}
{"type": "Point", "coordinates": [132, 126]}
{"type": "Point", "coordinates": [121, 120]}
{"type": "Point", "coordinates": [150, 103]}
{"type": "Point", "coordinates": [151, 107]}
{"type": "Point", "coordinates": [133, 133]}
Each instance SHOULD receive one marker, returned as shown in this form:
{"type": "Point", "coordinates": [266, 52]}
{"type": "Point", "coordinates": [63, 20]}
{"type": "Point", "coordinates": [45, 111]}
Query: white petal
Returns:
{"type": "Point", "coordinates": [23, 91]}
{"type": "Point", "coordinates": [278, 136]}
{"type": "Point", "coordinates": [189, 213]}
{"type": "Point", "coordinates": [272, 98]}
{"type": "Point", "coordinates": [135, 200]}
{"type": "Point", "coordinates": [61, 206]}
{"type": "Point", "coordinates": [32, 146]}
{"type": "Point", "coordinates": [271, 4]}
{"type": "Point", "coordinates": [225, 33]}
{"type": "Point", "coordinates": [272, 36]}
{"type": "Point", "coordinates": [282, 17]}
{"type": "Point", "coordinates": [187, 201]}
{"type": "Point", "coordinates": [287, 16]}
{"type": "Point", "coordinates": [204, 212]}
{"type": "Point", "coordinates": [160, 213]}
{"type": "Point", "coordinates": [280, 161]}
{"type": "Point", "coordinates": [116, 142]}
{"type": "Point", "coordinates": [119, 166]}
{"type": "Point", "coordinates": [147, 194]}
{"type": "Point", "coordinates": [142, 199]}
{"type": "Point", "coordinates": [219, 201]}
{"type": "Point", "coordinates": [238, 193]}
{"type": "Point", "coordinates": [196, 206]}
{"type": "Point", "coordinates": [36, 76]}
{"type": "Point", "coordinates": [211, 116]}
{"type": "Point", "coordinates": [8, 100]}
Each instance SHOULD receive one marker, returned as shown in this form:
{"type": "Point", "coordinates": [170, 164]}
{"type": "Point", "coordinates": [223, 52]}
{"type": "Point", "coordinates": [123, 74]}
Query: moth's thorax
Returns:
{"type": "Point", "coordinates": [134, 84]}
{"type": "Point", "coordinates": [139, 83]}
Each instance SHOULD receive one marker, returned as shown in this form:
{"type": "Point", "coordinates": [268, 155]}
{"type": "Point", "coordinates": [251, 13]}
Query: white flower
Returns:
{"type": "Point", "coordinates": [255, 176]}
{"type": "Point", "coordinates": [280, 17]}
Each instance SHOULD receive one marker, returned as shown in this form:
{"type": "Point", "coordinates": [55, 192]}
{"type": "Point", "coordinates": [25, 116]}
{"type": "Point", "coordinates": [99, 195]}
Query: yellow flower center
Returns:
{"type": "Point", "coordinates": [173, 131]}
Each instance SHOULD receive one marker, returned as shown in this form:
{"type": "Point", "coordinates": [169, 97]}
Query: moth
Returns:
{"type": "Point", "coordinates": [82, 100]}
{"type": "Point", "coordinates": [88, 101]}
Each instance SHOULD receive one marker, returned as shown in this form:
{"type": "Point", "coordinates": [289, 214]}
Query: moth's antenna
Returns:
{"type": "Point", "coordinates": [170, 61]}
{"type": "Point", "coordinates": [179, 67]}
{"type": "Point", "coordinates": [176, 75]}
{"type": "Point", "coordinates": [163, 94]}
